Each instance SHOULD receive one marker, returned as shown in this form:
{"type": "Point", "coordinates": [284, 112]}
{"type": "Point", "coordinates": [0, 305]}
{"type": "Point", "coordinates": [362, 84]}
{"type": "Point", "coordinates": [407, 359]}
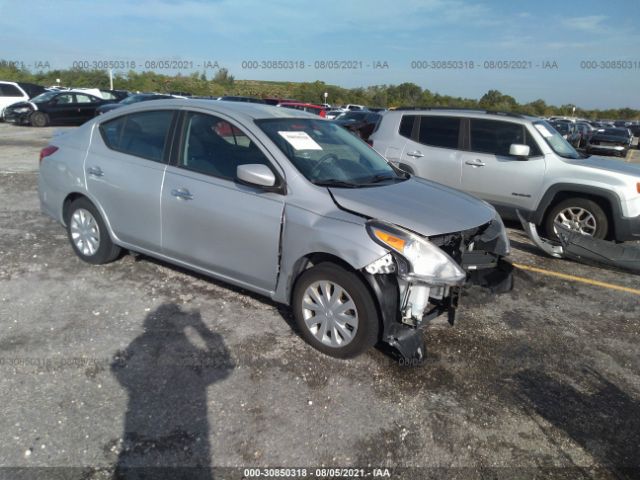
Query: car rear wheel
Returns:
{"type": "Point", "coordinates": [88, 234]}
{"type": "Point", "coordinates": [39, 119]}
{"type": "Point", "coordinates": [580, 215]}
{"type": "Point", "coordinates": [334, 311]}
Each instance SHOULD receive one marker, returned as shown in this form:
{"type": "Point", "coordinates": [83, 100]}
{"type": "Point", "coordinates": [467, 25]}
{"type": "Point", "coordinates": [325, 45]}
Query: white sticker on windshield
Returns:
{"type": "Point", "coordinates": [543, 130]}
{"type": "Point", "coordinates": [300, 140]}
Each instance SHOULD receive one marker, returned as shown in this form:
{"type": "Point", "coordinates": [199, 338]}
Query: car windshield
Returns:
{"type": "Point", "coordinates": [352, 116]}
{"type": "Point", "coordinates": [557, 143]}
{"type": "Point", "coordinates": [132, 99]}
{"type": "Point", "coordinates": [615, 132]}
{"type": "Point", "coordinates": [328, 155]}
{"type": "Point", "coordinates": [44, 97]}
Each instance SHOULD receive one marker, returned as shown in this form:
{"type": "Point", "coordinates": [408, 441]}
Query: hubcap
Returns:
{"type": "Point", "coordinates": [85, 233]}
{"type": "Point", "coordinates": [330, 313]}
{"type": "Point", "coordinates": [577, 219]}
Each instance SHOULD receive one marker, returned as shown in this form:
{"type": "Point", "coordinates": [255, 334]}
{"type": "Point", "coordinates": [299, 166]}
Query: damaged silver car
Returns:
{"type": "Point", "coordinates": [281, 203]}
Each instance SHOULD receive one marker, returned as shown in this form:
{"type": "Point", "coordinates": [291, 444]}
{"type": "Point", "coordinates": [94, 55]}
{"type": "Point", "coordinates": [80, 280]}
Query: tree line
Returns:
{"type": "Point", "coordinates": [223, 83]}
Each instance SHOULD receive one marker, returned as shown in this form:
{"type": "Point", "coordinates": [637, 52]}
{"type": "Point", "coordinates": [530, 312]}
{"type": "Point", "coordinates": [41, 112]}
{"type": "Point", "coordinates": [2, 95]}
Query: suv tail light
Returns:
{"type": "Point", "coordinates": [46, 151]}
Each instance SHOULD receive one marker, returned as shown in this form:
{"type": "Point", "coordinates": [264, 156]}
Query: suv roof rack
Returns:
{"type": "Point", "coordinates": [463, 109]}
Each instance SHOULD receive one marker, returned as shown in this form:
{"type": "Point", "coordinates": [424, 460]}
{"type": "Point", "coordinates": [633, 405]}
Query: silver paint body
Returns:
{"type": "Point", "coordinates": [230, 231]}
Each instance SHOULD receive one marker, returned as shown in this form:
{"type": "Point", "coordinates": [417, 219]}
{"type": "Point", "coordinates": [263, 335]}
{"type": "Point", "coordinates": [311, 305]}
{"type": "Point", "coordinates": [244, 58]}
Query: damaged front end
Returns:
{"type": "Point", "coordinates": [421, 279]}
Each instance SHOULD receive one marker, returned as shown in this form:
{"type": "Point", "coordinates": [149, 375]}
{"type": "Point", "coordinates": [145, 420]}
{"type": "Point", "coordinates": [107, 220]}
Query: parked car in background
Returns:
{"type": "Point", "coordinates": [13, 92]}
{"type": "Point", "coordinates": [562, 128]}
{"type": "Point", "coordinates": [305, 107]}
{"type": "Point", "coordinates": [360, 123]}
{"type": "Point", "coordinates": [66, 107]}
{"type": "Point", "coordinates": [131, 99]}
{"type": "Point", "coordinates": [610, 141]}
{"type": "Point", "coordinates": [516, 162]}
{"type": "Point", "coordinates": [353, 106]}
{"type": "Point", "coordinates": [289, 206]}
{"type": "Point", "coordinates": [275, 101]}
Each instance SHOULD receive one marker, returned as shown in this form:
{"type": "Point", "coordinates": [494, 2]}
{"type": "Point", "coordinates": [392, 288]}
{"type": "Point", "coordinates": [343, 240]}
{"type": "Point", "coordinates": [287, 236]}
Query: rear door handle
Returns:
{"type": "Point", "coordinates": [416, 154]}
{"type": "Point", "coordinates": [182, 194]}
{"type": "Point", "coordinates": [475, 163]}
{"type": "Point", "coordinates": [95, 171]}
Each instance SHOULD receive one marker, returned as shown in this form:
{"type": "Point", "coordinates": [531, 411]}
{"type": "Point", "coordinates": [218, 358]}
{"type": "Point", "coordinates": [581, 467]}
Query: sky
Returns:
{"type": "Point", "coordinates": [556, 42]}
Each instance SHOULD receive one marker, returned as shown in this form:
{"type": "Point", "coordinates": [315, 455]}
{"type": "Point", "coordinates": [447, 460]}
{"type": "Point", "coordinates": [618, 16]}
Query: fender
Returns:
{"type": "Point", "coordinates": [537, 216]}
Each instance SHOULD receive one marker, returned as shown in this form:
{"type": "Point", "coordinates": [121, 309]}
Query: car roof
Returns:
{"type": "Point", "coordinates": [240, 110]}
{"type": "Point", "coordinates": [467, 113]}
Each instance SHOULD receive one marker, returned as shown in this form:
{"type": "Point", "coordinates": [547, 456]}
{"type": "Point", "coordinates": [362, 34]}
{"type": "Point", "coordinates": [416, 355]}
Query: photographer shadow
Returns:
{"type": "Point", "coordinates": [166, 372]}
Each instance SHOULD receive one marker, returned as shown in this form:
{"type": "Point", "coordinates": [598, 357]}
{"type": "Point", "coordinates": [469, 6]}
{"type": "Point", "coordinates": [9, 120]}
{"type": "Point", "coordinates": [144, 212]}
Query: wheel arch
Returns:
{"type": "Point", "coordinates": [606, 199]}
{"type": "Point", "coordinates": [73, 196]}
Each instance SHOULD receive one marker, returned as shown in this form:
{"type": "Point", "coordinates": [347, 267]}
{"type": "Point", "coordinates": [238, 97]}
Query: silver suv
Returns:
{"type": "Point", "coordinates": [515, 162]}
{"type": "Point", "coordinates": [279, 202]}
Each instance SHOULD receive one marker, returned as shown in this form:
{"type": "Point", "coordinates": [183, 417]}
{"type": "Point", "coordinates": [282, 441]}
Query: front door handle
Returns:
{"type": "Point", "coordinates": [95, 171]}
{"type": "Point", "coordinates": [182, 194]}
{"type": "Point", "coordinates": [475, 163]}
{"type": "Point", "coordinates": [416, 154]}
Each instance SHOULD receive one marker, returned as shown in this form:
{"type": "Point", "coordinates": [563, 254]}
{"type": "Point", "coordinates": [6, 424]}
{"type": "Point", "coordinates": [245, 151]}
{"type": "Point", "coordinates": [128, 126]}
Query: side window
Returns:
{"type": "Point", "coordinates": [406, 125]}
{"type": "Point", "coordinates": [215, 147]}
{"type": "Point", "coordinates": [496, 137]}
{"type": "Point", "coordinates": [141, 134]}
{"type": "Point", "coordinates": [9, 91]}
{"type": "Point", "coordinates": [64, 99]}
{"type": "Point", "coordinates": [439, 131]}
{"type": "Point", "coordinates": [82, 98]}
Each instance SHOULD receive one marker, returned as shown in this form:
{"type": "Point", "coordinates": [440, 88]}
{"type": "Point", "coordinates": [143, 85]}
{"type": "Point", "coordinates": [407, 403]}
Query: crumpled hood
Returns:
{"type": "Point", "coordinates": [425, 207]}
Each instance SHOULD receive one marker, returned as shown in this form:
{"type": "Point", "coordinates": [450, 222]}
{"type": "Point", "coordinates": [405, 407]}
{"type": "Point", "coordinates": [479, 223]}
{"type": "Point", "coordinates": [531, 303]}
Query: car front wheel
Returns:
{"type": "Point", "coordinates": [335, 311]}
{"type": "Point", "coordinates": [39, 119]}
{"type": "Point", "coordinates": [580, 215]}
{"type": "Point", "coordinates": [88, 233]}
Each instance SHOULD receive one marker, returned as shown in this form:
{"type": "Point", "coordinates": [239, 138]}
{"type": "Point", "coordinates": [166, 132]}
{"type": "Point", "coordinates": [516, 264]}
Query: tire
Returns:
{"type": "Point", "coordinates": [88, 234]}
{"type": "Point", "coordinates": [594, 220]}
{"type": "Point", "coordinates": [39, 119]}
{"type": "Point", "coordinates": [339, 339]}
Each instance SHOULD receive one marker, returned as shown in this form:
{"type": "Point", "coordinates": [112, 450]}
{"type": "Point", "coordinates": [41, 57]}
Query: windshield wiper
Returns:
{"type": "Point", "coordinates": [382, 178]}
{"type": "Point", "coordinates": [333, 182]}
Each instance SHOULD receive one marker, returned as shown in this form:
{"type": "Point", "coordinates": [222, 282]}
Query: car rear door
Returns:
{"type": "Point", "coordinates": [209, 220]}
{"type": "Point", "coordinates": [489, 172]}
{"type": "Point", "coordinates": [62, 108]}
{"type": "Point", "coordinates": [433, 151]}
{"type": "Point", "coordinates": [86, 106]}
{"type": "Point", "coordinates": [124, 172]}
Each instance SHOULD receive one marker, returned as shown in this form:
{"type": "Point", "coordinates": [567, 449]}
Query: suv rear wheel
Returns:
{"type": "Point", "coordinates": [578, 214]}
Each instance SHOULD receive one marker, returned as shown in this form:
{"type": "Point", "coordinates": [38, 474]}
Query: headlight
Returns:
{"type": "Point", "coordinates": [426, 262]}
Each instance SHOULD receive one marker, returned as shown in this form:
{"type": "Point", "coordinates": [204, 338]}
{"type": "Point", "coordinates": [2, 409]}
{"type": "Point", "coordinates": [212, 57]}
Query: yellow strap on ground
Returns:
{"type": "Point", "coordinates": [574, 278]}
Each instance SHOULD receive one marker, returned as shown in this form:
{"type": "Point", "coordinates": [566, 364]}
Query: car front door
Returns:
{"type": "Point", "coordinates": [433, 151]}
{"type": "Point", "coordinates": [62, 108]}
{"type": "Point", "coordinates": [124, 171]}
{"type": "Point", "coordinates": [211, 221]}
{"type": "Point", "coordinates": [489, 172]}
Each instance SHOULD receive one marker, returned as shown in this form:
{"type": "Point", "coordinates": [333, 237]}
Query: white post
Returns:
{"type": "Point", "coordinates": [110, 79]}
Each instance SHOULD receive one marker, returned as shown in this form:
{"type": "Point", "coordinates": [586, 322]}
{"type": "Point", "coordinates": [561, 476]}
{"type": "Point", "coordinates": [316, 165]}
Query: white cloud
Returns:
{"type": "Point", "coordinates": [589, 23]}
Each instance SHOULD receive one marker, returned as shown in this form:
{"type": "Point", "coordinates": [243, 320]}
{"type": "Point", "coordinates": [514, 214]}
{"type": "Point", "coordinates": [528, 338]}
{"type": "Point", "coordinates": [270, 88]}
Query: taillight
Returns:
{"type": "Point", "coordinates": [46, 151]}
{"type": "Point", "coordinates": [323, 114]}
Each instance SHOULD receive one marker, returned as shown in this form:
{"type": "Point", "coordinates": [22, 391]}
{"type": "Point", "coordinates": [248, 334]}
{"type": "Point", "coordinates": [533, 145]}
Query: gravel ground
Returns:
{"type": "Point", "coordinates": [138, 363]}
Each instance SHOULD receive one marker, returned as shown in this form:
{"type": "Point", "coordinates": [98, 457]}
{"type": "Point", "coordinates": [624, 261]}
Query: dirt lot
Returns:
{"type": "Point", "coordinates": [543, 381]}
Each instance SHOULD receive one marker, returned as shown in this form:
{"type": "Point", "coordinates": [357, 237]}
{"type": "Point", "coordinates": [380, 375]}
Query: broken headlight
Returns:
{"type": "Point", "coordinates": [425, 261]}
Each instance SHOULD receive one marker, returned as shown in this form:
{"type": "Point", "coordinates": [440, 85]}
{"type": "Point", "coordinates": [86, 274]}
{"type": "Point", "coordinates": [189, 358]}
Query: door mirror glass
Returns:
{"type": "Point", "coordinates": [256, 174]}
{"type": "Point", "coordinates": [517, 150]}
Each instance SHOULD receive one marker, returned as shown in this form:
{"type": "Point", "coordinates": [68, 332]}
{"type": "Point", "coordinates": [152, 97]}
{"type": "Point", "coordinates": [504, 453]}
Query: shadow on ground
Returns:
{"type": "Point", "coordinates": [166, 372]}
{"type": "Point", "coordinates": [599, 416]}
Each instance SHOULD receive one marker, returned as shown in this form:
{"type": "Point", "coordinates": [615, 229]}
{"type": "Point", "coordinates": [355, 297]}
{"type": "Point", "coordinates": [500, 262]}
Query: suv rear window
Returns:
{"type": "Point", "coordinates": [439, 131]}
{"type": "Point", "coordinates": [141, 134]}
{"type": "Point", "coordinates": [495, 137]}
{"type": "Point", "coordinates": [7, 90]}
{"type": "Point", "coordinates": [406, 125]}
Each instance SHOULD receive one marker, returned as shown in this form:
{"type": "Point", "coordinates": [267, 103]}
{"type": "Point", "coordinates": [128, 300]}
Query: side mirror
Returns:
{"type": "Point", "coordinates": [517, 150]}
{"type": "Point", "coordinates": [256, 174]}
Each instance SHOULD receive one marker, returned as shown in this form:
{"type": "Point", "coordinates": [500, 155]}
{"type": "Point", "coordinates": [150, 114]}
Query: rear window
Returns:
{"type": "Point", "coordinates": [142, 134]}
{"type": "Point", "coordinates": [439, 131]}
{"type": "Point", "coordinates": [406, 125]}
